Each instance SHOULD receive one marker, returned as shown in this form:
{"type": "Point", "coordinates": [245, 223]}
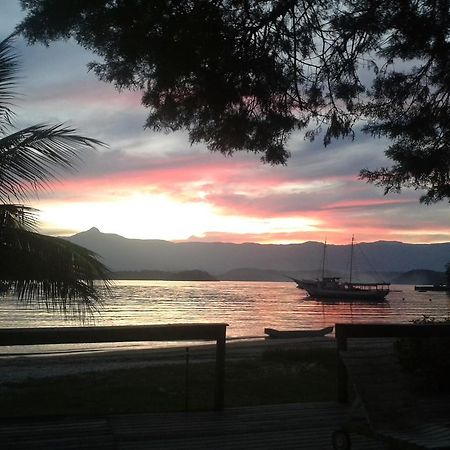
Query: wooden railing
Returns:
{"type": "Point", "coordinates": [178, 332]}
{"type": "Point", "coordinates": [347, 331]}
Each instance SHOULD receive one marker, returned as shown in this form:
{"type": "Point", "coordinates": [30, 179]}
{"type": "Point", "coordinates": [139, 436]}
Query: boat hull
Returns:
{"type": "Point", "coordinates": [286, 334]}
{"type": "Point", "coordinates": [434, 288]}
{"type": "Point", "coordinates": [342, 292]}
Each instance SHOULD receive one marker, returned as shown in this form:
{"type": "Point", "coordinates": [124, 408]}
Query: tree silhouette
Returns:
{"type": "Point", "coordinates": [39, 269]}
{"type": "Point", "coordinates": [245, 74]}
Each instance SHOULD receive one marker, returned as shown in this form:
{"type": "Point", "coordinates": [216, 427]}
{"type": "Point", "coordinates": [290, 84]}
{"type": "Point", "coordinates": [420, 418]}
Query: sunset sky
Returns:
{"type": "Point", "coordinates": [157, 186]}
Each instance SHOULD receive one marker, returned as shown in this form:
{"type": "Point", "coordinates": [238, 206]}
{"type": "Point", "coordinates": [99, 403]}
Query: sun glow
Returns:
{"type": "Point", "coordinates": [140, 216]}
{"type": "Point", "coordinates": [158, 216]}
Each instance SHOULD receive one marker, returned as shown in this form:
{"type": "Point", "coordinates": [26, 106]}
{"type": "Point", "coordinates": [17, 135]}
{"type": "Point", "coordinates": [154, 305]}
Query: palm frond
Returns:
{"type": "Point", "coordinates": [51, 272]}
{"type": "Point", "coordinates": [29, 158]}
{"type": "Point", "coordinates": [8, 77]}
{"type": "Point", "coordinates": [17, 217]}
{"type": "Point", "coordinates": [40, 270]}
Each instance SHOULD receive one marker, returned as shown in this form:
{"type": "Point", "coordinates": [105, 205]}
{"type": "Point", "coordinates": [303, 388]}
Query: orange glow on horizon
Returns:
{"type": "Point", "coordinates": [229, 202]}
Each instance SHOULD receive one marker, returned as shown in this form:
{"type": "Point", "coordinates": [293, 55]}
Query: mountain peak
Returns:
{"type": "Point", "coordinates": [93, 230]}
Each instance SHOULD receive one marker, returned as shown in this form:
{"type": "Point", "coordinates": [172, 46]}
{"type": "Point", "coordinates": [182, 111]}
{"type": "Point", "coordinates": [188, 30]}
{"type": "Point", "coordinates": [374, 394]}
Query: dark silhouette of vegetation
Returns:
{"type": "Point", "coordinates": [244, 75]}
{"type": "Point", "coordinates": [39, 269]}
{"type": "Point", "coordinates": [186, 275]}
{"type": "Point", "coordinates": [427, 359]}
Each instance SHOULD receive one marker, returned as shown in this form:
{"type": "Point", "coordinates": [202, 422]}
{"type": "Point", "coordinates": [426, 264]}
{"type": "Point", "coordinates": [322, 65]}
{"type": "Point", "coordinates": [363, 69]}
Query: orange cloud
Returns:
{"type": "Point", "coordinates": [335, 207]}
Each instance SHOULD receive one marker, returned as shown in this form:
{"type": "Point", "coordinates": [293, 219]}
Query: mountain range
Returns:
{"type": "Point", "coordinates": [266, 261]}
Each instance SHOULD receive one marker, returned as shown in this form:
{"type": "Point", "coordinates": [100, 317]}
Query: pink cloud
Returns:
{"type": "Point", "coordinates": [242, 189]}
{"type": "Point", "coordinates": [369, 202]}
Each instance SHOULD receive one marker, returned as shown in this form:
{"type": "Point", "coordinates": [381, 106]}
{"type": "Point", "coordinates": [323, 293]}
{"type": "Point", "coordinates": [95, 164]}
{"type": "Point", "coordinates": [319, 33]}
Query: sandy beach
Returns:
{"type": "Point", "coordinates": [20, 368]}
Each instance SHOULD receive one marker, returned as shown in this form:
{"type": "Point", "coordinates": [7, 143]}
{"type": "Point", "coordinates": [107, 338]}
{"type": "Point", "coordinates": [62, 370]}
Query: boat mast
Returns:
{"type": "Point", "coordinates": [351, 260]}
{"type": "Point", "coordinates": [323, 258]}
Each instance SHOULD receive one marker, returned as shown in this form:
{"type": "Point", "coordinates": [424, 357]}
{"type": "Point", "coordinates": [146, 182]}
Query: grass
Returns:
{"type": "Point", "coordinates": [276, 376]}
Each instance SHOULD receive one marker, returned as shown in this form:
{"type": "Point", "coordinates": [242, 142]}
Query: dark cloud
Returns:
{"type": "Point", "coordinates": [343, 157]}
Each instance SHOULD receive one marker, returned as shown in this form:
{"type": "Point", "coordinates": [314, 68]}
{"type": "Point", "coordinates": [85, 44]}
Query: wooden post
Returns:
{"type": "Point", "coordinates": [186, 381]}
{"type": "Point", "coordinates": [342, 375]}
{"type": "Point", "coordinates": [220, 371]}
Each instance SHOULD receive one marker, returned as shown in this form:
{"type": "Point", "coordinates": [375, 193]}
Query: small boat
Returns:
{"type": "Point", "coordinates": [333, 288]}
{"type": "Point", "coordinates": [286, 334]}
{"type": "Point", "coordinates": [434, 287]}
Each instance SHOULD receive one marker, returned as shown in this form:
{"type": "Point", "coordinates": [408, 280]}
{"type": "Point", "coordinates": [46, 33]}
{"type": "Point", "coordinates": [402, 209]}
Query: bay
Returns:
{"type": "Point", "coordinates": [247, 307]}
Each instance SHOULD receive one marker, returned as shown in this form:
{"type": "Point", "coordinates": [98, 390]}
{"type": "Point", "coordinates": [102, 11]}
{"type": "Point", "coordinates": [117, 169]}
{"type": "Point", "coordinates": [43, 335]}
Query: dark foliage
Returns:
{"type": "Point", "coordinates": [40, 270]}
{"type": "Point", "coordinates": [244, 74]}
{"type": "Point", "coordinates": [428, 359]}
{"type": "Point", "coordinates": [186, 275]}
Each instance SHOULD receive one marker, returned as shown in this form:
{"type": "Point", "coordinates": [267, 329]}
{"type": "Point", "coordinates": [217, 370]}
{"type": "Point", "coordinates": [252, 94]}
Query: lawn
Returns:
{"type": "Point", "coordinates": [271, 377]}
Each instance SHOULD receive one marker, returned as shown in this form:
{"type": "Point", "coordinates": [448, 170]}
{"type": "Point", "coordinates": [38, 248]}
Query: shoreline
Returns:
{"type": "Point", "coordinates": [20, 368]}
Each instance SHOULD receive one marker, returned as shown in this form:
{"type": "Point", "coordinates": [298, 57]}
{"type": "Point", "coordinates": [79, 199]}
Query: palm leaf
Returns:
{"type": "Point", "coordinates": [8, 76]}
{"type": "Point", "coordinates": [51, 272]}
{"type": "Point", "coordinates": [29, 158]}
{"type": "Point", "coordinates": [40, 270]}
{"type": "Point", "coordinates": [17, 217]}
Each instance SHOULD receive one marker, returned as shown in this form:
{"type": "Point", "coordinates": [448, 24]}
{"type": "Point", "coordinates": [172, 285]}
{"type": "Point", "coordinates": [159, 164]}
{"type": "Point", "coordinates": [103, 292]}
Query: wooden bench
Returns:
{"type": "Point", "coordinates": [135, 333]}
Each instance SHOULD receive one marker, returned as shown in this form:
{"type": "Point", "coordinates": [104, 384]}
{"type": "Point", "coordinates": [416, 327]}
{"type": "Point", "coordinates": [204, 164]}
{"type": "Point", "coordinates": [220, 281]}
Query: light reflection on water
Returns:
{"type": "Point", "coordinates": [247, 307]}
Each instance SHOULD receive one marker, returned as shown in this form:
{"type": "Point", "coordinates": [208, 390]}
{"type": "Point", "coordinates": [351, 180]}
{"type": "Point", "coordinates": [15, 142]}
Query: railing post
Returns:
{"type": "Point", "coordinates": [186, 381]}
{"type": "Point", "coordinates": [220, 371]}
{"type": "Point", "coordinates": [342, 375]}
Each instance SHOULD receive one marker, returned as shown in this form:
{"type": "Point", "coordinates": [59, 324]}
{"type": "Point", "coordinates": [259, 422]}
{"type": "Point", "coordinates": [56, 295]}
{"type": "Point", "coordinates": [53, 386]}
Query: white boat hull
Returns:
{"type": "Point", "coordinates": [343, 291]}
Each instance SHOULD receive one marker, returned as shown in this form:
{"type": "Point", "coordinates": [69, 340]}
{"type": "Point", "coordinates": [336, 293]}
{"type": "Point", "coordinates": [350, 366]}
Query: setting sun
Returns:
{"type": "Point", "coordinates": [153, 216]}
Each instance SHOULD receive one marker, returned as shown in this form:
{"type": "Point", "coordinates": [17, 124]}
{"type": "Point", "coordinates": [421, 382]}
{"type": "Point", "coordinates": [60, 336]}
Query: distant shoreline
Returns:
{"type": "Point", "coordinates": [413, 277]}
{"type": "Point", "coordinates": [159, 275]}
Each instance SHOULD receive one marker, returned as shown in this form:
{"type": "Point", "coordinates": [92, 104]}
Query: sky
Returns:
{"type": "Point", "coordinates": [150, 185]}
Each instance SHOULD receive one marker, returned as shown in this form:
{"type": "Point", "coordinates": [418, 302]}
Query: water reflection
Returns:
{"type": "Point", "coordinates": [248, 307]}
{"type": "Point", "coordinates": [350, 311]}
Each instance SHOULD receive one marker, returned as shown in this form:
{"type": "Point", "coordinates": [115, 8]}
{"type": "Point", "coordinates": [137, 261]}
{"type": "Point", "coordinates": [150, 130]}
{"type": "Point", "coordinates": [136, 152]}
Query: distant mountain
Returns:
{"type": "Point", "coordinates": [124, 254]}
{"type": "Point", "coordinates": [420, 277]}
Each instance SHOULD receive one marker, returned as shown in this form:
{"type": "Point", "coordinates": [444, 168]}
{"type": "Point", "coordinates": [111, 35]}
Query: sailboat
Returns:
{"type": "Point", "coordinates": [334, 288]}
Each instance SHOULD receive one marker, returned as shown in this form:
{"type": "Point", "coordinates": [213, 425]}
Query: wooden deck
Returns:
{"type": "Point", "coordinates": [305, 426]}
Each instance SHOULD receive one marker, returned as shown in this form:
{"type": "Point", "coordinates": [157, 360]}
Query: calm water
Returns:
{"type": "Point", "coordinates": [247, 307]}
